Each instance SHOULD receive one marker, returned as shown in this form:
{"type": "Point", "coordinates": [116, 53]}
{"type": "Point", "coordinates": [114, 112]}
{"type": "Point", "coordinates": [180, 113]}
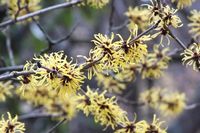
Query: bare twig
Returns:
{"type": "Point", "coordinates": [192, 106]}
{"type": "Point", "coordinates": [14, 75]}
{"type": "Point", "coordinates": [39, 12]}
{"type": "Point", "coordinates": [57, 125]}
{"type": "Point", "coordinates": [176, 39]}
{"type": "Point", "coordinates": [54, 42]}
{"type": "Point", "coordinates": [38, 115]}
{"type": "Point", "coordinates": [11, 68]}
{"type": "Point", "coordinates": [8, 45]}
{"type": "Point", "coordinates": [111, 16]}
{"type": "Point", "coordinates": [144, 33]}
{"type": "Point", "coordinates": [120, 26]}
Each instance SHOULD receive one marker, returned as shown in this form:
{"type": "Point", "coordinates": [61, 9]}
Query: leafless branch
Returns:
{"type": "Point", "coordinates": [39, 12]}
{"type": "Point", "coordinates": [11, 68]}
{"type": "Point", "coordinates": [8, 45]}
{"type": "Point", "coordinates": [57, 125]}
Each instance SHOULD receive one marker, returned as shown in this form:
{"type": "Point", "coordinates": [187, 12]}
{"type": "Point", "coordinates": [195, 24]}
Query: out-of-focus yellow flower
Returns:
{"type": "Point", "coordinates": [138, 16]}
{"type": "Point", "coordinates": [173, 104]}
{"type": "Point", "coordinates": [105, 110]}
{"type": "Point", "coordinates": [97, 3]}
{"type": "Point", "coordinates": [168, 103]}
{"type": "Point", "coordinates": [94, 3]}
{"type": "Point", "coordinates": [191, 56]}
{"type": "Point", "coordinates": [56, 71]}
{"type": "Point", "coordinates": [48, 98]}
{"type": "Point", "coordinates": [151, 97]}
{"type": "Point", "coordinates": [11, 125]}
{"type": "Point", "coordinates": [18, 7]}
{"type": "Point", "coordinates": [109, 83]}
{"type": "Point", "coordinates": [195, 23]}
{"type": "Point", "coordinates": [183, 3]}
{"type": "Point", "coordinates": [154, 63]}
{"type": "Point", "coordinates": [64, 106]}
{"type": "Point", "coordinates": [5, 90]}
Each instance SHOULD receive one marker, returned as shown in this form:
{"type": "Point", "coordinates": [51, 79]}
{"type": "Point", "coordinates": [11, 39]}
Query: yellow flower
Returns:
{"type": "Point", "coordinates": [105, 110]}
{"type": "Point", "coordinates": [191, 56]}
{"type": "Point", "coordinates": [138, 16]}
{"type": "Point", "coordinates": [155, 126]}
{"type": "Point", "coordinates": [14, 11]}
{"type": "Point", "coordinates": [151, 97]}
{"type": "Point", "coordinates": [168, 103]}
{"type": "Point", "coordinates": [164, 14]}
{"type": "Point", "coordinates": [154, 63]}
{"type": "Point", "coordinates": [94, 66]}
{"type": "Point", "coordinates": [132, 126]}
{"type": "Point", "coordinates": [11, 125]}
{"type": "Point", "coordinates": [173, 104]}
{"type": "Point", "coordinates": [134, 52]}
{"type": "Point", "coordinates": [64, 106]}
{"type": "Point", "coordinates": [110, 83]}
{"type": "Point", "coordinates": [48, 98]}
{"type": "Point", "coordinates": [108, 51]}
{"type": "Point", "coordinates": [94, 3]}
{"type": "Point", "coordinates": [195, 23]}
{"type": "Point", "coordinates": [55, 70]}
{"type": "Point", "coordinates": [97, 3]}
{"type": "Point", "coordinates": [5, 90]}
{"type": "Point", "coordinates": [183, 3]}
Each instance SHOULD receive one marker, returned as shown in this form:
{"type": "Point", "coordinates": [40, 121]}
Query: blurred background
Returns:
{"type": "Point", "coordinates": [27, 40]}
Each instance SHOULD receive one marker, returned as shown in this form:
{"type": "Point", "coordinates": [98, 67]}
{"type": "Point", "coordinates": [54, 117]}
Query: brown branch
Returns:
{"type": "Point", "coordinates": [39, 12]}
{"type": "Point", "coordinates": [144, 33]}
{"type": "Point", "coordinates": [14, 75]}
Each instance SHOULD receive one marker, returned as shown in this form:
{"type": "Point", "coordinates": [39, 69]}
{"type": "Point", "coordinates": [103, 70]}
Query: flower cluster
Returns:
{"type": "Point", "coordinates": [19, 7]}
{"type": "Point", "coordinates": [138, 16]}
{"type": "Point", "coordinates": [11, 125]}
{"type": "Point", "coordinates": [48, 98]}
{"type": "Point", "coordinates": [94, 3]}
{"type": "Point", "coordinates": [165, 14]}
{"type": "Point", "coordinates": [191, 56]}
{"type": "Point", "coordinates": [5, 90]}
{"type": "Point", "coordinates": [112, 84]}
{"type": "Point", "coordinates": [183, 3]}
{"type": "Point", "coordinates": [142, 127]}
{"type": "Point", "coordinates": [53, 70]}
{"type": "Point", "coordinates": [154, 63]}
{"type": "Point", "coordinates": [105, 110]}
{"type": "Point", "coordinates": [195, 23]}
{"type": "Point", "coordinates": [169, 103]}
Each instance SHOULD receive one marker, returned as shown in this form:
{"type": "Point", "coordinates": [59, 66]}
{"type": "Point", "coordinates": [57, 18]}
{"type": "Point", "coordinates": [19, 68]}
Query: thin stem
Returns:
{"type": "Point", "coordinates": [11, 68]}
{"type": "Point", "coordinates": [14, 75]}
{"type": "Point", "coordinates": [144, 33]}
{"type": "Point", "coordinates": [57, 125]}
{"type": "Point", "coordinates": [8, 45]}
{"type": "Point", "coordinates": [120, 26]}
{"type": "Point", "coordinates": [111, 16]}
{"type": "Point", "coordinates": [39, 12]}
{"type": "Point", "coordinates": [176, 39]}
